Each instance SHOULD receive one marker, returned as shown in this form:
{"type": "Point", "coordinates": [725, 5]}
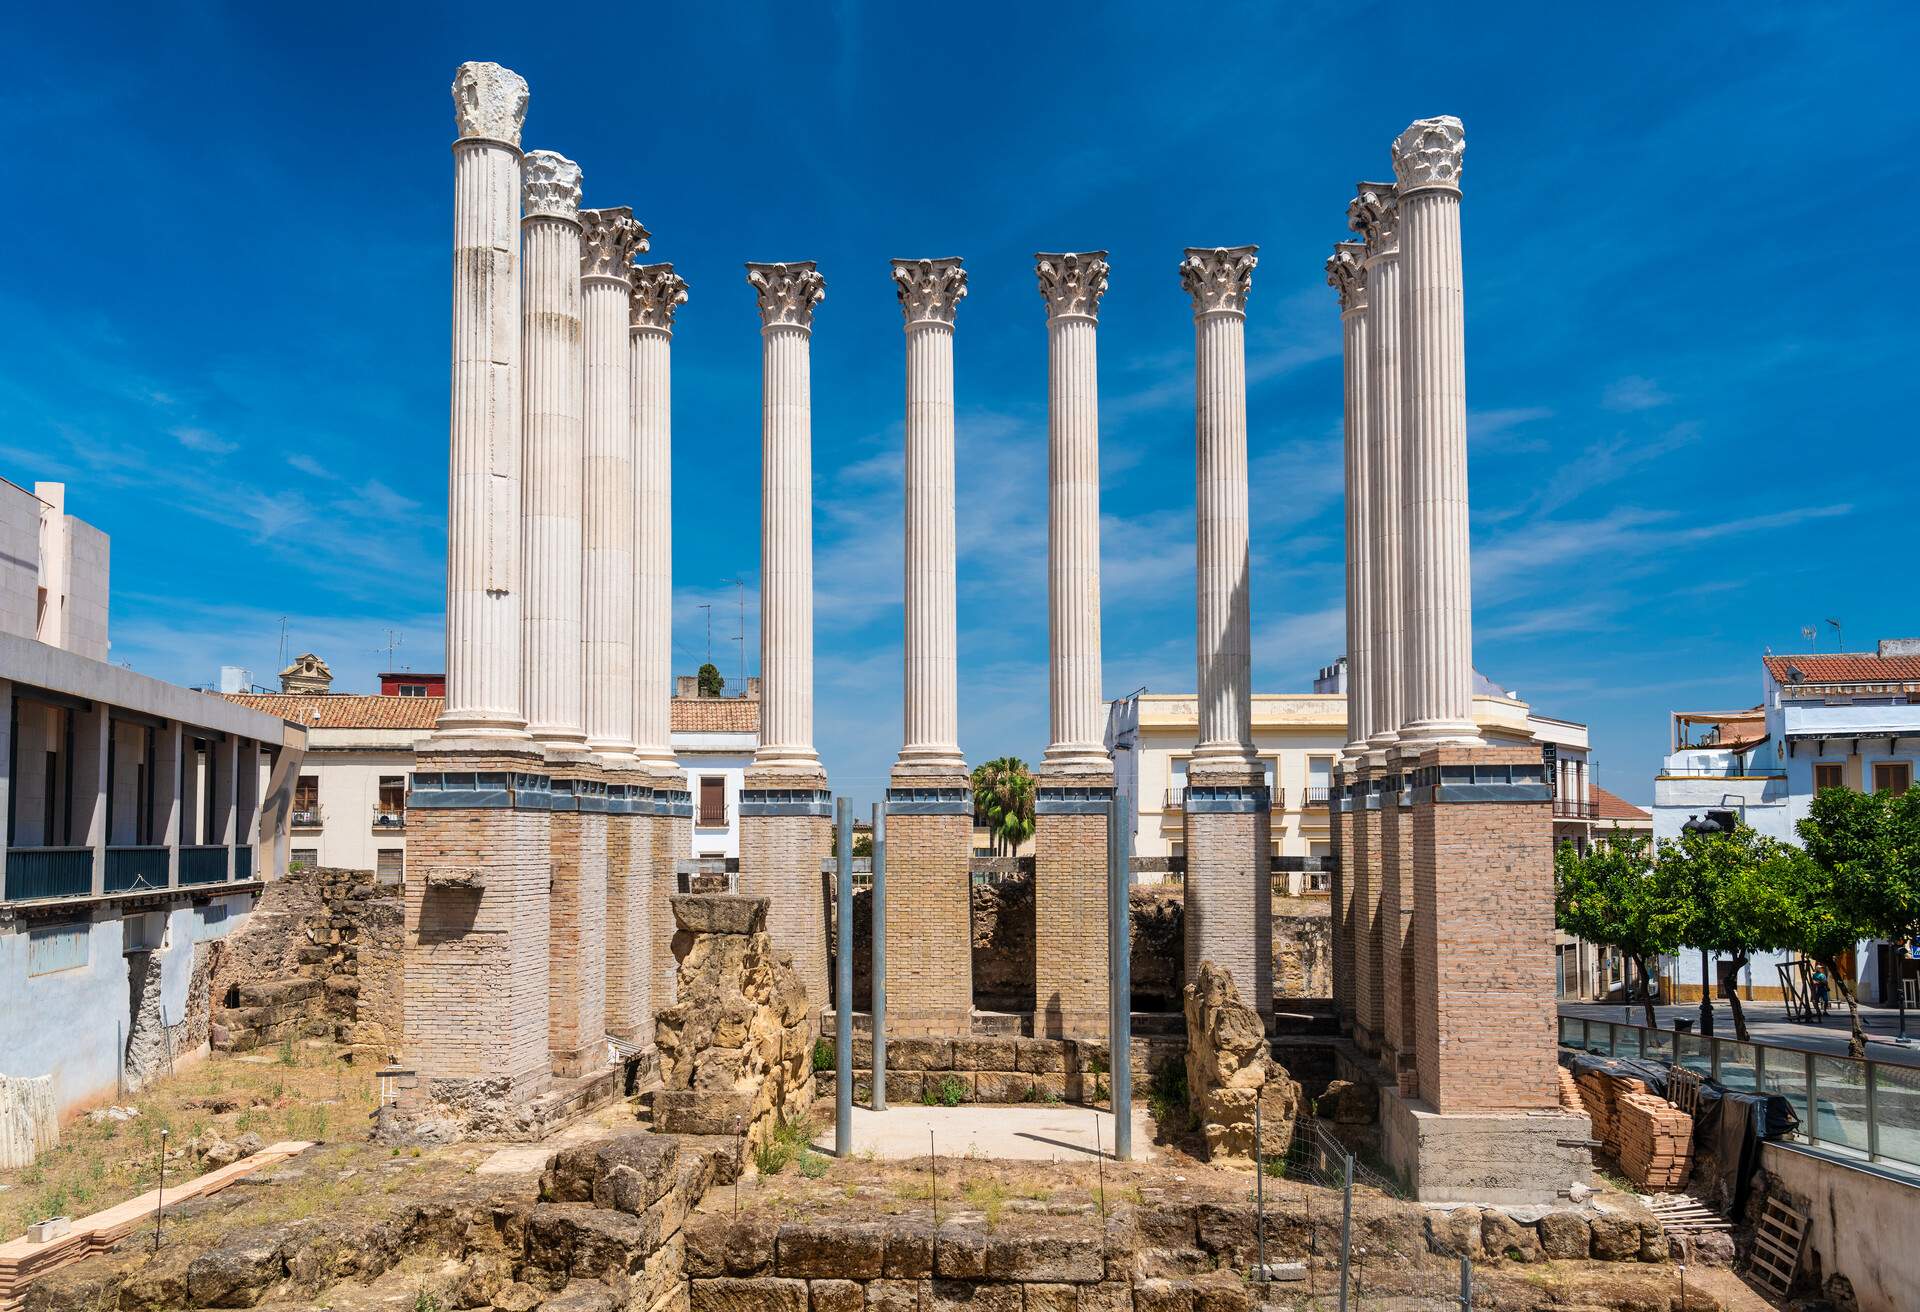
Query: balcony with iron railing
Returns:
{"type": "Point", "coordinates": [1176, 800]}
{"type": "Point", "coordinates": [1572, 808]}
{"type": "Point", "coordinates": [203, 865]}
{"type": "Point", "coordinates": [307, 817]}
{"type": "Point", "coordinates": [133, 868]}
{"type": "Point", "coordinates": [389, 817]}
{"type": "Point", "coordinates": [43, 872]}
{"type": "Point", "coordinates": [712, 817]}
{"type": "Point", "coordinates": [1317, 794]}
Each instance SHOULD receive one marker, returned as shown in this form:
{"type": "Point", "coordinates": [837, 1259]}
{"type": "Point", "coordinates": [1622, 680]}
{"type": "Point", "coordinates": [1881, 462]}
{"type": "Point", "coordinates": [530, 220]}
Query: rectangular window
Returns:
{"type": "Point", "coordinates": [412, 690]}
{"type": "Point", "coordinates": [390, 865]}
{"type": "Point", "coordinates": [713, 801]}
{"type": "Point", "coordinates": [58, 947]}
{"type": "Point", "coordinates": [1826, 774]}
{"type": "Point", "coordinates": [303, 857]}
{"type": "Point", "coordinates": [306, 801]}
{"type": "Point", "coordinates": [391, 808]}
{"type": "Point", "coordinates": [1892, 776]}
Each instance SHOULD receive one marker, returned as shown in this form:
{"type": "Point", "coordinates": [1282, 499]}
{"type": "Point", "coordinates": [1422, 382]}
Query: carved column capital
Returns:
{"type": "Point", "coordinates": [1218, 278]}
{"type": "Point", "coordinates": [657, 293]}
{"type": "Point", "coordinates": [1072, 282]}
{"type": "Point", "coordinates": [610, 238]}
{"type": "Point", "coordinates": [489, 103]}
{"type": "Point", "coordinates": [1428, 154]}
{"type": "Point", "coordinates": [549, 186]}
{"type": "Point", "coordinates": [930, 291]}
{"type": "Point", "coordinates": [1347, 274]}
{"type": "Point", "coordinates": [1374, 213]}
{"type": "Point", "coordinates": [787, 293]}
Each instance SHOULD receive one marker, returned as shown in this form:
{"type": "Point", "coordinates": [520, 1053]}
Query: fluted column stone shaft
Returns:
{"type": "Point", "coordinates": [1072, 284]}
{"type": "Point", "coordinates": [1374, 214]}
{"type": "Point", "coordinates": [1346, 274]}
{"type": "Point", "coordinates": [554, 386]}
{"type": "Point", "coordinates": [658, 293]}
{"type": "Point", "coordinates": [483, 479]}
{"type": "Point", "coordinates": [1218, 280]}
{"type": "Point", "coordinates": [930, 292]}
{"type": "Point", "coordinates": [611, 238]}
{"type": "Point", "coordinates": [1437, 563]}
{"type": "Point", "coordinates": [787, 294]}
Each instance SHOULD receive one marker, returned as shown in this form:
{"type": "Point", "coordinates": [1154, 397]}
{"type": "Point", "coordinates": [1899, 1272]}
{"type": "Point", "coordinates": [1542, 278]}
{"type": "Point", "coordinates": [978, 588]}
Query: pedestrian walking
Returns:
{"type": "Point", "coordinates": [1819, 982]}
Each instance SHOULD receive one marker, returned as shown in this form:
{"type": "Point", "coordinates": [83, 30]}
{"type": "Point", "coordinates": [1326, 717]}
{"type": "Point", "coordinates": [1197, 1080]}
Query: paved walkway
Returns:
{"type": "Point", "coordinates": [1026, 1134]}
{"type": "Point", "coordinates": [1767, 1023]}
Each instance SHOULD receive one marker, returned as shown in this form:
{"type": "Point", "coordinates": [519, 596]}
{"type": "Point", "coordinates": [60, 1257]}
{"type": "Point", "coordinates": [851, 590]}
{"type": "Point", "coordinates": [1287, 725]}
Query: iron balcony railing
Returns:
{"type": "Point", "coordinates": [1723, 770]}
{"type": "Point", "coordinates": [714, 817]}
{"type": "Point", "coordinates": [131, 868]}
{"type": "Point", "coordinates": [389, 817]}
{"type": "Point", "coordinates": [203, 865]}
{"type": "Point", "coordinates": [37, 872]}
{"type": "Point", "coordinates": [1569, 808]}
{"type": "Point", "coordinates": [1317, 794]}
{"type": "Point", "coordinates": [307, 817]}
{"type": "Point", "coordinates": [1176, 800]}
{"type": "Point", "coordinates": [1848, 1106]}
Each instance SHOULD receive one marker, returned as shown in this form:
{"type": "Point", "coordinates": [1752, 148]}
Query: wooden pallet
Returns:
{"type": "Point", "coordinates": [1683, 1089]}
{"type": "Point", "coordinates": [1684, 1214]}
{"type": "Point", "coordinates": [1775, 1258]}
{"type": "Point", "coordinates": [22, 1261]}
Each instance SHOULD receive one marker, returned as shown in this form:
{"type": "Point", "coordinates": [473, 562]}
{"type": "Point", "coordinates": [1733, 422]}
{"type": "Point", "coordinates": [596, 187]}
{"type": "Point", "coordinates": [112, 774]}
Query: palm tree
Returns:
{"type": "Point", "coordinates": [1003, 794]}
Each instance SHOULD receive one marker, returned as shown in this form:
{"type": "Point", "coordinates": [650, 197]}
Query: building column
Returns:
{"type": "Point", "coordinates": [644, 842]}
{"type": "Point", "coordinates": [552, 488]}
{"type": "Point", "coordinates": [483, 503]}
{"type": "Point", "coordinates": [1075, 786]}
{"type": "Point", "coordinates": [1229, 895]}
{"type": "Point", "coordinates": [930, 801]}
{"type": "Point", "coordinates": [166, 746]}
{"type": "Point", "coordinates": [1346, 274]}
{"type": "Point", "coordinates": [786, 822]}
{"type": "Point", "coordinates": [226, 799]}
{"type": "Point", "coordinates": [1437, 565]}
{"type": "Point", "coordinates": [478, 888]}
{"type": "Point", "coordinates": [87, 808]}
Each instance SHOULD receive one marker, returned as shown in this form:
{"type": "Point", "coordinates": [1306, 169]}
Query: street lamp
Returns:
{"type": "Point", "coordinates": [1697, 825]}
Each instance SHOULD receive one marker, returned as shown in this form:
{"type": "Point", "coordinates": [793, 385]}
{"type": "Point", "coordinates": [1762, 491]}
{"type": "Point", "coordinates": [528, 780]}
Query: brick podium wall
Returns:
{"type": "Point", "coordinates": [1228, 917]}
{"type": "Point", "coordinates": [1342, 905]}
{"type": "Point", "coordinates": [1396, 980]}
{"type": "Point", "coordinates": [1070, 912]}
{"type": "Point", "coordinates": [781, 858]}
{"type": "Point", "coordinates": [929, 912]}
{"type": "Point", "coordinates": [1366, 914]}
{"type": "Point", "coordinates": [577, 943]}
{"type": "Point", "coordinates": [629, 971]}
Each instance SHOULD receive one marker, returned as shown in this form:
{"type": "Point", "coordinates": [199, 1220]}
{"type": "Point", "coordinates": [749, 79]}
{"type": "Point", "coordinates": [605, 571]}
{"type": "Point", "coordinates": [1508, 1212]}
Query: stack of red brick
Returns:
{"type": "Point", "coordinates": [1597, 1092]}
{"type": "Point", "coordinates": [1656, 1141]}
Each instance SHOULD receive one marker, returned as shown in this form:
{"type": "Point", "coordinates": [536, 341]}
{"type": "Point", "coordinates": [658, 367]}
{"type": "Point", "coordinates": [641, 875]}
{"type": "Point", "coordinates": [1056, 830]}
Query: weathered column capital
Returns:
{"type": "Point", "coordinates": [1427, 155]}
{"type": "Point", "coordinates": [609, 239]}
{"type": "Point", "coordinates": [658, 292]}
{"type": "Point", "coordinates": [787, 293]}
{"type": "Point", "coordinates": [1347, 274]}
{"type": "Point", "coordinates": [549, 186]}
{"type": "Point", "coordinates": [1374, 213]}
{"type": "Point", "coordinates": [1218, 278]}
{"type": "Point", "coordinates": [930, 290]}
{"type": "Point", "coordinates": [489, 103]}
{"type": "Point", "coordinates": [1072, 283]}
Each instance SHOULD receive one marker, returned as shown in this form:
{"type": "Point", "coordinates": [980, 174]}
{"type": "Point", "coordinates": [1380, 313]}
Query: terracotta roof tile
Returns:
{"type": "Point", "coordinates": [1609, 806]}
{"type": "Point", "coordinates": [342, 710]}
{"type": "Point", "coordinates": [1845, 667]}
{"type": "Point", "coordinates": [716, 715]}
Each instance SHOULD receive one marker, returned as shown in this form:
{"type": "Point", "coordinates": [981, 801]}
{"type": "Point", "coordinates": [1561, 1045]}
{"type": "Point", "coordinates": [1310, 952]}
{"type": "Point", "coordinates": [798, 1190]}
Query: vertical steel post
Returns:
{"type": "Point", "coordinates": [1259, 1193]}
{"type": "Point", "coordinates": [1120, 975]}
{"type": "Point", "coordinates": [1466, 1284]}
{"type": "Point", "coordinates": [1346, 1235]}
{"type": "Point", "coordinates": [843, 975]}
{"type": "Point", "coordinates": [878, 1100]}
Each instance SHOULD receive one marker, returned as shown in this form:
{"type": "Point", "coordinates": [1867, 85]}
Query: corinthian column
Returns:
{"type": "Point", "coordinates": [550, 494]}
{"type": "Point", "coordinates": [1347, 275]}
{"type": "Point", "coordinates": [930, 806]}
{"type": "Point", "coordinates": [1438, 574]}
{"type": "Point", "coordinates": [1374, 214]}
{"type": "Point", "coordinates": [658, 292]}
{"type": "Point", "coordinates": [483, 499]}
{"type": "Point", "coordinates": [611, 239]}
{"type": "Point", "coordinates": [786, 827]}
{"type": "Point", "coordinates": [1072, 285]}
{"type": "Point", "coordinates": [787, 295]}
{"type": "Point", "coordinates": [930, 292]}
{"type": "Point", "coordinates": [1229, 869]}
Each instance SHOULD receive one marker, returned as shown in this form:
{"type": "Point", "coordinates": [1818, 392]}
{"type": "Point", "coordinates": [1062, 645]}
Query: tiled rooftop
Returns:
{"type": "Point", "coordinates": [345, 710]}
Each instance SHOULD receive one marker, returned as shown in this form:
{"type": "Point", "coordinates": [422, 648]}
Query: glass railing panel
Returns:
{"type": "Point", "coordinates": [1896, 1108]}
{"type": "Point", "coordinates": [1657, 1045]}
{"type": "Point", "coordinates": [1573, 1032]}
{"type": "Point", "coordinates": [1786, 1075]}
{"type": "Point", "coordinates": [1840, 1103]}
{"type": "Point", "coordinates": [1736, 1064]}
{"type": "Point", "coordinates": [1626, 1041]}
{"type": "Point", "coordinates": [1690, 1051]}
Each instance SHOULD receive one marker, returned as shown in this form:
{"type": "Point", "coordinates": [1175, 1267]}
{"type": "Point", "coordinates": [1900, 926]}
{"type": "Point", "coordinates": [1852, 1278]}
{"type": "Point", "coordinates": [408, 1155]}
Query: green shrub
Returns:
{"type": "Point", "coordinates": [1167, 1097]}
{"type": "Point", "coordinates": [947, 1091]}
{"type": "Point", "coordinates": [823, 1055]}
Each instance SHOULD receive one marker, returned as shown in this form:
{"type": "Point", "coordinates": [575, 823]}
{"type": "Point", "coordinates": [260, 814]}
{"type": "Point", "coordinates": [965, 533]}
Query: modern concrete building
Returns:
{"type": "Point", "coordinates": [1825, 720]}
{"type": "Point", "coordinates": [1297, 737]}
{"type": "Point", "coordinates": [141, 820]}
{"type": "Point", "coordinates": [713, 743]}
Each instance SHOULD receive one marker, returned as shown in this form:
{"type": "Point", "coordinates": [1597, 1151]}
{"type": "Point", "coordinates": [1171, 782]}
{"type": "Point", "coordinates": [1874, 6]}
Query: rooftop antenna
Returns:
{"type": "Point", "coordinates": [283, 642]}
{"type": "Point", "coordinates": [741, 637]}
{"type": "Point", "coordinates": [1812, 635]}
{"type": "Point", "coordinates": [1839, 639]}
{"type": "Point", "coordinates": [707, 606]}
{"type": "Point", "coordinates": [394, 643]}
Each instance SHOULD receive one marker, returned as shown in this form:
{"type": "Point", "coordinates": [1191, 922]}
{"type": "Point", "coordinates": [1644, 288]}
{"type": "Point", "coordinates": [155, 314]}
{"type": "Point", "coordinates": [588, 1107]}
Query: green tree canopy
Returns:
{"type": "Point", "coordinates": [1003, 795]}
{"type": "Point", "coordinates": [712, 683]}
{"type": "Point", "coordinates": [1609, 895]}
{"type": "Point", "coordinates": [1726, 894]}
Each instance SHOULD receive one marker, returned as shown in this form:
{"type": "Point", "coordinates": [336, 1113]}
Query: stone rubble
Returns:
{"type": "Point", "coordinates": [1230, 1067]}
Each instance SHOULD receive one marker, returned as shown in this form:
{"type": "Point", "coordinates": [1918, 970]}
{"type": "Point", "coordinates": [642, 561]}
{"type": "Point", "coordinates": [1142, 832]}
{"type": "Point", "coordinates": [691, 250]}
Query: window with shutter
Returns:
{"type": "Point", "coordinates": [1892, 777]}
{"type": "Point", "coordinates": [1826, 774]}
{"type": "Point", "coordinates": [713, 801]}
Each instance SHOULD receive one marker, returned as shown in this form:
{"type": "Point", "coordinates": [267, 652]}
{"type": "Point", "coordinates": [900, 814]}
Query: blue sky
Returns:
{"type": "Point", "coordinates": [224, 318]}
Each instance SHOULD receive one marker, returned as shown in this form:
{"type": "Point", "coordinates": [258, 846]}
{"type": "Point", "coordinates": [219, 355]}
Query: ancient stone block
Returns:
{"type": "Point", "coordinates": [966, 1296]}
{"type": "Point", "coordinates": [1502, 1236]}
{"type": "Point", "coordinates": [960, 1253]}
{"type": "Point", "coordinates": [1230, 1067]}
{"type": "Point", "coordinates": [909, 1250]}
{"type": "Point", "coordinates": [1052, 1258]}
{"type": "Point", "coordinates": [819, 1249]}
{"type": "Point", "coordinates": [983, 1054]}
{"type": "Point", "coordinates": [1565, 1236]}
{"type": "Point", "coordinates": [836, 1296]}
{"type": "Point", "coordinates": [236, 1274]}
{"type": "Point", "coordinates": [1053, 1298]}
{"type": "Point", "coordinates": [724, 1245]}
{"type": "Point", "coordinates": [760, 1294]}
{"type": "Point", "coordinates": [1615, 1239]}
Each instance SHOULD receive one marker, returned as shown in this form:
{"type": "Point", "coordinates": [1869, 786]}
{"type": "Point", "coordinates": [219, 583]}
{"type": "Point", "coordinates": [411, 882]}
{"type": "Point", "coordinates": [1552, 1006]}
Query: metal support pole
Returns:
{"type": "Point", "coordinates": [878, 1100]}
{"type": "Point", "coordinates": [1120, 974]}
{"type": "Point", "coordinates": [1466, 1284]}
{"type": "Point", "coordinates": [843, 973]}
{"type": "Point", "coordinates": [1346, 1235]}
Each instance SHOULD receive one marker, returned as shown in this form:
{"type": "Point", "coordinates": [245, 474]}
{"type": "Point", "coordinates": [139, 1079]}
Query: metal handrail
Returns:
{"type": "Point", "coordinates": [1176, 800]}
{"type": "Point", "coordinates": [1317, 794]}
{"type": "Point", "coordinates": [1568, 808]}
{"type": "Point", "coordinates": [307, 818]}
{"type": "Point", "coordinates": [389, 817]}
{"type": "Point", "coordinates": [1804, 1064]}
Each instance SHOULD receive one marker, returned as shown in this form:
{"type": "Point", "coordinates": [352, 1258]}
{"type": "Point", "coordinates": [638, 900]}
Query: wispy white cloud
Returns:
{"type": "Point", "coordinates": [201, 440]}
{"type": "Point", "coordinates": [1633, 392]}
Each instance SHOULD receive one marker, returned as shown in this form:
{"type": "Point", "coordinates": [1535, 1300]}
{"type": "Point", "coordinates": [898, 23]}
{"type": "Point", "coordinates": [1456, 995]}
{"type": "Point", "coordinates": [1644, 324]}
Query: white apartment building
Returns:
{"type": "Point", "coordinates": [141, 818]}
{"type": "Point", "coordinates": [1825, 720]}
{"type": "Point", "coordinates": [349, 808]}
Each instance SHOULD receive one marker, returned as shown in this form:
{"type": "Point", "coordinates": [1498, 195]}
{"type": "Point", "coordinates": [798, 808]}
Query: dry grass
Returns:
{"type": "Point", "coordinates": [303, 1091]}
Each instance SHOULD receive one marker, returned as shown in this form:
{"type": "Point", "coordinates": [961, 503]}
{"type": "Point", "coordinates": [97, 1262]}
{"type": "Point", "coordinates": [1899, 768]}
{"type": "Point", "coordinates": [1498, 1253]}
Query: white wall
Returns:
{"type": "Point", "coordinates": [727, 755]}
{"type": "Point", "coordinates": [349, 791]}
{"type": "Point", "coordinates": [19, 560]}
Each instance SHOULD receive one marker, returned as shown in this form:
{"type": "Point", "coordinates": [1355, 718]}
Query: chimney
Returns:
{"type": "Point", "coordinates": [753, 687]}
{"type": "Point", "coordinates": [686, 685]}
{"type": "Point", "coordinates": [1900, 646]}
